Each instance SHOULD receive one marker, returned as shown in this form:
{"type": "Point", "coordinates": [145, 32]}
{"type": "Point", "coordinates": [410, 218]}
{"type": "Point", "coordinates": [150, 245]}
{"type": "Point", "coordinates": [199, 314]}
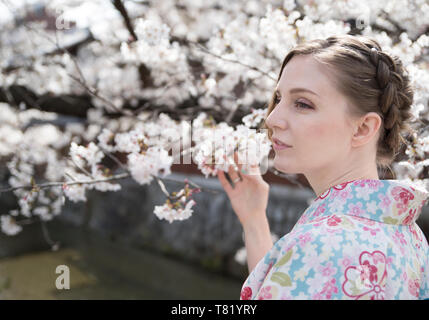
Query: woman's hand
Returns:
{"type": "Point", "coordinates": [249, 196]}
{"type": "Point", "coordinates": [249, 199]}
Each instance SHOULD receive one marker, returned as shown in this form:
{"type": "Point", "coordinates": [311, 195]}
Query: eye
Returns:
{"type": "Point", "coordinates": [302, 105]}
{"type": "Point", "coordinates": [276, 99]}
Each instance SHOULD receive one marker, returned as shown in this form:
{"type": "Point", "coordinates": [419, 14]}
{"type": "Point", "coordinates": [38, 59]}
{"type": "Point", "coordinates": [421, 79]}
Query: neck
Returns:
{"type": "Point", "coordinates": [322, 182]}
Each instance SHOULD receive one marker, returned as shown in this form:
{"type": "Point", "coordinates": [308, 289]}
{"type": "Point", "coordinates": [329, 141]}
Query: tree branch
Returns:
{"type": "Point", "coordinates": [62, 183]}
{"type": "Point", "coordinates": [144, 71]}
{"type": "Point", "coordinates": [123, 11]}
{"type": "Point", "coordinates": [204, 49]}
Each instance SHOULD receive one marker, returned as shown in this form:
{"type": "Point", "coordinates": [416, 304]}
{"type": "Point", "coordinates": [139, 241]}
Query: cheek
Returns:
{"type": "Point", "coordinates": [324, 136]}
{"type": "Point", "coordinates": [317, 133]}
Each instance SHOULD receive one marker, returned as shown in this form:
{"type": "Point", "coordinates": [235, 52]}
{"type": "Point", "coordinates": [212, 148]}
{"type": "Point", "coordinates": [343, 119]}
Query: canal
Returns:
{"type": "Point", "coordinates": [102, 269]}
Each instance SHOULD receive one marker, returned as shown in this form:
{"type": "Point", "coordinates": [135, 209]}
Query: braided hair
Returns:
{"type": "Point", "coordinates": [371, 79]}
{"type": "Point", "coordinates": [395, 100]}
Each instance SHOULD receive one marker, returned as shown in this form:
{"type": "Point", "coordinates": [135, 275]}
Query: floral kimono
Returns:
{"type": "Point", "coordinates": [358, 240]}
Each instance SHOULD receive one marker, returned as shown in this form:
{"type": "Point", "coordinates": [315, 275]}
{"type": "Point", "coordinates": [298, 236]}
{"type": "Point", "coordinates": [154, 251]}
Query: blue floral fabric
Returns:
{"type": "Point", "coordinates": [358, 240]}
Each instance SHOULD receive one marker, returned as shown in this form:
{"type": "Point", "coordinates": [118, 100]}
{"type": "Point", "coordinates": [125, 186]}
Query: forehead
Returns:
{"type": "Point", "coordinates": [306, 72]}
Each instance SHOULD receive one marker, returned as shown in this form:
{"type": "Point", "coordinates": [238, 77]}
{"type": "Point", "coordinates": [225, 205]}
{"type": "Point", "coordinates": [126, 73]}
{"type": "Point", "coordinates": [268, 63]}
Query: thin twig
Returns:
{"type": "Point", "coordinates": [79, 70]}
{"type": "Point", "coordinates": [58, 184]}
{"type": "Point", "coordinates": [163, 188]}
{"type": "Point", "coordinates": [81, 80]}
{"type": "Point", "coordinates": [204, 49]}
{"type": "Point", "coordinates": [116, 160]}
{"type": "Point", "coordinates": [70, 176]}
{"type": "Point", "coordinates": [25, 221]}
{"type": "Point", "coordinates": [54, 245]}
{"type": "Point", "coordinates": [191, 183]}
{"type": "Point", "coordinates": [113, 178]}
{"type": "Point", "coordinates": [80, 168]}
{"type": "Point", "coordinates": [94, 93]}
{"type": "Point", "coordinates": [386, 16]}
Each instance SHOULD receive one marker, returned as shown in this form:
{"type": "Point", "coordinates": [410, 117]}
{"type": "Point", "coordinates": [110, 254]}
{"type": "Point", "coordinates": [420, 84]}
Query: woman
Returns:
{"type": "Point", "coordinates": [336, 115]}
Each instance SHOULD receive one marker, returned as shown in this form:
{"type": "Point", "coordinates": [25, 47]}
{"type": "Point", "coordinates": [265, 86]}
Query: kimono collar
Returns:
{"type": "Point", "coordinates": [397, 202]}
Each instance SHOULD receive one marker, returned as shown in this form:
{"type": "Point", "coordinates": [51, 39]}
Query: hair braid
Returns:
{"type": "Point", "coordinates": [394, 103]}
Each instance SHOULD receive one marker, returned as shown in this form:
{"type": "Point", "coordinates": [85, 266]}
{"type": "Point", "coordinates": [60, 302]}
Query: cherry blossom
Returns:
{"type": "Point", "coordinates": [175, 79]}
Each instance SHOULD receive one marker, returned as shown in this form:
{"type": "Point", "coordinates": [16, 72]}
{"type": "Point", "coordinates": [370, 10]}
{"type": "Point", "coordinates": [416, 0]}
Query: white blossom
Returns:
{"type": "Point", "coordinates": [253, 119]}
{"type": "Point", "coordinates": [144, 167]}
{"type": "Point", "coordinates": [169, 214]}
{"type": "Point", "coordinates": [9, 226]}
{"type": "Point", "coordinates": [218, 58]}
{"type": "Point", "coordinates": [129, 141]}
{"type": "Point", "coordinates": [90, 155]}
{"type": "Point", "coordinates": [105, 138]}
{"type": "Point", "coordinates": [75, 192]}
{"type": "Point", "coordinates": [241, 254]}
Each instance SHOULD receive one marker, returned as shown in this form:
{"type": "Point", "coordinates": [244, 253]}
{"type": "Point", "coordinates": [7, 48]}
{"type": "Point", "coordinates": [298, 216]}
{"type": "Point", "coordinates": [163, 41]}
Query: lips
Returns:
{"type": "Point", "coordinates": [280, 143]}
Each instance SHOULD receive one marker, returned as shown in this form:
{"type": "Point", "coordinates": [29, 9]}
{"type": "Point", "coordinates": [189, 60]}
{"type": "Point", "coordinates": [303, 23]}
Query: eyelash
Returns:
{"type": "Point", "coordinates": [301, 104]}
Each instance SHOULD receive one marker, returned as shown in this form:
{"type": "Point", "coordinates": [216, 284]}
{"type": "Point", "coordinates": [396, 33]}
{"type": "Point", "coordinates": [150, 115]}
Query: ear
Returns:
{"type": "Point", "coordinates": [366, 129]}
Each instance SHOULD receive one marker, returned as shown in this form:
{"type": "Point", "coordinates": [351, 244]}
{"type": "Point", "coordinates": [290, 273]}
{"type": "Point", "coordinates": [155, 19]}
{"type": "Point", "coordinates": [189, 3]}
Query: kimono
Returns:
{"type": "Point", "coordinates": [358, 240]}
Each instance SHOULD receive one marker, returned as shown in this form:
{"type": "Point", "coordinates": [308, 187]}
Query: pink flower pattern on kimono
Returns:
{"type": "Point", "coordinates": [399, 238]}
{"type": "Point", "coordinates": [327, 270]}
{"type": "Point", "coordinates": [320, 210]}
{"type": "Point", "coordinates": [265, 293]}
{"type": "Point", "coordinates": [304, 238]}
{"type": "Point", "coordinates": [372, 231]}
{"type": "Point", "coordinates": [246, 293]}
{"type": "Point", "coordinates": [413, 287]}
{"type": "Point", "coordinates": [346, 261]}
{"type": "Point", "coordinates": [333, 221]}
{"type": "Point", "coordinates": [355, 209]}
{"type": "Point", "coordinates": [329, 288]}
{"type": "Point", "coordinates": [402, 196]}
{"type": "Point", "coordinates": [385, 201]}
{"type": "Point", "coordinates": [357, 240]}
{"type": "Point", "coordinates": [410, 216]}
{"type": "Point", "coordinates": [416, 236]}
{"type": "Point", "coordinates": [368, 280]}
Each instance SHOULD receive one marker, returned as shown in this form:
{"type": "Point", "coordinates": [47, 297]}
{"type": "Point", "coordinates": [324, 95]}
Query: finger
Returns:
{"type": "Point", "coordinates": [250, 170]}
{"type": "Point", "coordinates": [241, 165]}
{"type": "Point", "coordinates": [233, 173]}
{"type": "Point", "coordinates": [238, 161]}
{"type": "Point", "coordinates": [223, 181]}
{"type": "Point", "coordinates": [245, 168]}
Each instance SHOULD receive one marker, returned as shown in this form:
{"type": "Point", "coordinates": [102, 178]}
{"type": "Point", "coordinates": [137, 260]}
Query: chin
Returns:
{"type": "Point", "coordinates": [282, 167]}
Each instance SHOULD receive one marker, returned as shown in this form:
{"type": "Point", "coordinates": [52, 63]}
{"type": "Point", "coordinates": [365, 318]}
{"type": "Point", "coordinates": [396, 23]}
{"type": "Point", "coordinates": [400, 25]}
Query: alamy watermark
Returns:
{"type": "Point", "coordinates": [215, 146]}
{"type": "Point", "coordinates": [61, 23]}
{"type": "Point", "coordinates": [63, 280]}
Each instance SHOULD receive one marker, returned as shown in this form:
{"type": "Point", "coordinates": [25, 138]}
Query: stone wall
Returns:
{"type": "Point", "coordinates": [211, 237]}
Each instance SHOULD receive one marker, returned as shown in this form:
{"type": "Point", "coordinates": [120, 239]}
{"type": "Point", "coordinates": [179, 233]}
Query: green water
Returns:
{"type": "Point", "coordinates": [103, 270]}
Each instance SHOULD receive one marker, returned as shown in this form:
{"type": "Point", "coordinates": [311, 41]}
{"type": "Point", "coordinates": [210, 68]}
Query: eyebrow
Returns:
{"type": "Point", "coordinates": [296, 90]}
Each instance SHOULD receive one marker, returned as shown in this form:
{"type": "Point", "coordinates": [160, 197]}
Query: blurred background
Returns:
{"type": "Point", "coordinates": [70, 69]}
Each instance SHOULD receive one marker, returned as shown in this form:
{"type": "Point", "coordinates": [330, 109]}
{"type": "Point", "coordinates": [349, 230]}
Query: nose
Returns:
{"type": "Point", "coordinates": [276, 119]}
